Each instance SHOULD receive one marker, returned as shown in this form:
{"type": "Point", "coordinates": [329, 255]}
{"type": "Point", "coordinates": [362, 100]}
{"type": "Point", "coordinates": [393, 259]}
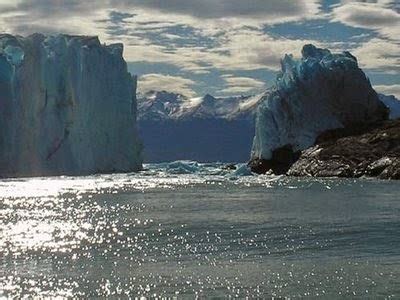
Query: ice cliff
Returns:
{"type": "Point", "coordinates": [318, 92]}
{"type": "Point", "coordinates": [67, 106]}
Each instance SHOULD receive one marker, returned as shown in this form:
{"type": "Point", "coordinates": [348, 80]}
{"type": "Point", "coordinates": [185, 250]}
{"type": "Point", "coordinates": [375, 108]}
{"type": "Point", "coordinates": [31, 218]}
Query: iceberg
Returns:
{"type": "Point", "coordinates": [242, 170]}
{"type": "Point", "coordinates": [182, 167]}
{"type": "Point", "coordinates": [318, 92]}
{"type": "Point", "coordinates": [67, 106]}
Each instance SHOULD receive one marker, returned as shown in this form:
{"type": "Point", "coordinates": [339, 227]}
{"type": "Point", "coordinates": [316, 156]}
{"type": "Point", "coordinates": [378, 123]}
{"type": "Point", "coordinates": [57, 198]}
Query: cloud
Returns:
{"type": "Point", "coordinates": [272, 10]}
{"type": "Point", "coordinates": [206, 15]}
{"type": "Point", "coordinates": [214, 33]}
{"type": "Point", "coordinates": [379, 54]}
{"type": "Point", "coordinates": [230, 52]}
{"type": "Point", "coordinates": [368, 16]}
{"type": "Point", "coordinates": [389, 89]}
{"type": "Point", "coordinates": [9, 4]}
{"type": "Point", "coordinates": [241, 85]}
{"type": "Point", "coordinates": [385, 3]}
{"type": "Point", "coordinates": [251, 49]}
{"type": "Point", "coordinates": [203, 36]}
{"type": "Point", "coordinates": [375, 15]}
{"type": "Point", "coordinates": [168, 83]}
{"type": "Point", "coordinates": [25, 18]}
{"type": "Point", "coordinates": [240, 49]}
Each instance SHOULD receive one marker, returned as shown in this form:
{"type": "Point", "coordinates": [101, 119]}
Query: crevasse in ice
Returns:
{"type": "Point", "coordinates": [67, 106]}
{"type": "Point", "coordinates": [318, 92]}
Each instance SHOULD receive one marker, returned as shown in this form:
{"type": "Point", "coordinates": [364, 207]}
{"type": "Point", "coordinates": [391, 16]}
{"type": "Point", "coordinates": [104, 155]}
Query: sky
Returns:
{"type": "Point", "coordinates": [221, 47]}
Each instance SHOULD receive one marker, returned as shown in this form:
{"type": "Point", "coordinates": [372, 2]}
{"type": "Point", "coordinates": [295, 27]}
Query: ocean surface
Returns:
{"type": "Point", "coordinates": [187, 229]}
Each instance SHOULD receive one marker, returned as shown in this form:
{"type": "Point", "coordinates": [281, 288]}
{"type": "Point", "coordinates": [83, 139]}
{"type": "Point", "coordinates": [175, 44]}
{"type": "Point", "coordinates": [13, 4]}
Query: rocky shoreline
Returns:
{"type": "Point", "coordinates": [365, 151]}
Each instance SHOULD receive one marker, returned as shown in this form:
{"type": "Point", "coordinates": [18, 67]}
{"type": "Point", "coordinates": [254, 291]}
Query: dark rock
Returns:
{"type": "Point", "coordinates": [377, 167]}
{"type": "Point", "coordinates": [282, 159]}
{"type": "Point", "coordinates": [258, 166]}
{"type": "Point", "coordinates": [229, 167]}
{"type": "Point", "coordinates": [366, 152]}
{"type": "Point", "coordinates": [392, 171]}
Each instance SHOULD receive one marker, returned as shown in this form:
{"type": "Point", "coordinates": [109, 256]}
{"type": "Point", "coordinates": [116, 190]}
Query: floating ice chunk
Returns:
{"type": "Point", "coordinates": [183, 167]}
{"type": "Point", "coordinates": [243, 170]}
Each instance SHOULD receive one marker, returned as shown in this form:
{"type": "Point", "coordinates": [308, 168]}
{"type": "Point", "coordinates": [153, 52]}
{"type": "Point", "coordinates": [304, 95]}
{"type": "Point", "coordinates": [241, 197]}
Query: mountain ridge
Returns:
{"type": "Point", "coordinates": [163, 105]}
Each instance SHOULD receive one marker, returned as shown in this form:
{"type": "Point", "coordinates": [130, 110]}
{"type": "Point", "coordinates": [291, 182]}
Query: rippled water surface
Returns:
{"type": "Point", "coordinates": [185, 229]}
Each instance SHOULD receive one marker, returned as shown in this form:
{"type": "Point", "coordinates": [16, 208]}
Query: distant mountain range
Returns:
{"type": "Point", "coordinates": [174, 127]}
{"type": "Point", "coordinates": [162, 105]}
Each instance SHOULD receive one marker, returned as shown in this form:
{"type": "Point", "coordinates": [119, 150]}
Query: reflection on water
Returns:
{"type": "Point", "coordinates": [190, 229]}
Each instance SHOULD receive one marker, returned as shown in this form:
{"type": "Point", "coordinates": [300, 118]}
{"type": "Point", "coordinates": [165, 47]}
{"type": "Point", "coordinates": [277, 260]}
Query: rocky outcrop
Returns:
{"type": "Point", "coordinates": [67, 106]}
{"type": "Point", "coordinates": [373, 151]}
{"type": "Point", "coordinates": [320, 92]}
{"type": "Point", "coordinates": [279, 163]}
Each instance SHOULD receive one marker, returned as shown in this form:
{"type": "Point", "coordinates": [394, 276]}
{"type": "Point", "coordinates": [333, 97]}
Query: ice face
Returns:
{"type": "Point", "coordinates": [67, 106]}
{"type": "Point", "coordinates": [321, 91]}
{"type": "Point", "coordinates": [15, 55]}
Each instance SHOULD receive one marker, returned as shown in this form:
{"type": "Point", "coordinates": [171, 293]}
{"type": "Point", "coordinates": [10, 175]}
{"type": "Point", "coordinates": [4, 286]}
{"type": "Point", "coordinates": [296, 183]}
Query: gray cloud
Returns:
{"type": "Point", "coordinates": [241, 85]}
{"type": "Point", "coordinates": [50, 16]}
{"type": "Point", "coordinates": [197, 8]}
{"type": "Point", "coordinates": [196, 36]}
{"type": "Point", "coordinates": [53, 8]}
{"type": "Point", "coordinates": [379, 16]}
{"type": "Point", "coordinates": [389, 89]}
{"type": "Point", "coordinates": [175, 84]}
{"type": "Point", "coordinates": [367, 14]}
{"type": "Point", "coordinates": [393, 4]}
{"type": "Point", "coordinates": [227, 8]}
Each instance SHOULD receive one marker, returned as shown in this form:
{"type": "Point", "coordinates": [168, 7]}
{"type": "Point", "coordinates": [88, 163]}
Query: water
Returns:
{"type": "Point", "coordinates": [186, 229]}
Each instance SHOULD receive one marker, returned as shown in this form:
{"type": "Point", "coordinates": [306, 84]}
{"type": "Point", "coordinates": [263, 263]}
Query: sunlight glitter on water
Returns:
{"type": "Point", "coordinates": [155, 177]}
{"type": "Point", "coordinates": [56, 186]}
{"type": "Point", "coordinates": [207, 232]}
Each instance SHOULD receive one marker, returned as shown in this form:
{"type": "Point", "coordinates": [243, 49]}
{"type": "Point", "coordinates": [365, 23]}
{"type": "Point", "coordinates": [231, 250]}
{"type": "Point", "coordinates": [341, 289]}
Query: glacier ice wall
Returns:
{"type": "Point", "coordinates": [67, 106]}
{"type": "Point", "coordinates": [318, 92]}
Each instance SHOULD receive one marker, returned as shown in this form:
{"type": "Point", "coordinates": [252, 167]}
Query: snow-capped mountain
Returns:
{"type": "Point", "coordinates": [175, 127]}
{"type": "Point", "coordinates": [162, 105]}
